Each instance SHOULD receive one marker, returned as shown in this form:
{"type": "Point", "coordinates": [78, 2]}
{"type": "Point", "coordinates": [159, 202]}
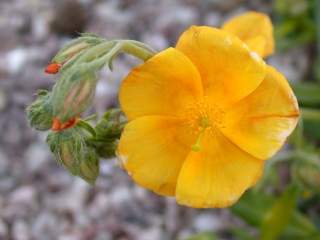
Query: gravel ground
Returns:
{"type": "Point", "coordinates": [38, 199]}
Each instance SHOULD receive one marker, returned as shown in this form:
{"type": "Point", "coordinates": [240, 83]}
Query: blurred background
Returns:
{"type": "Point", "coordinates": [40, 201]}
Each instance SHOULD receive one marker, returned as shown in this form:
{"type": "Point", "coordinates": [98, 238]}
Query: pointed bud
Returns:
{"type": "Point", "coordinates": [53, 68]}
{"type": "Point", "coordinates": [39, 113]}
{"type": "Point", "coordinates": [72, 151]}
{"type": "Point", "coordinates": [70, 52]}
{"type": "Point", "coordinates": [73, 94]}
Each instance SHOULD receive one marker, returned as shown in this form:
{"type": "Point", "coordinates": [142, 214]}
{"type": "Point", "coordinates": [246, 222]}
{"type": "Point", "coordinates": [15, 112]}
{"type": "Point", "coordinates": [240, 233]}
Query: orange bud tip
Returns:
{"type": "Point", "coordinates": [56, 124]}
{"type": "Point", "coordinates": [53, 68]}
{"type": "Point", "coordinates": [69, 123]}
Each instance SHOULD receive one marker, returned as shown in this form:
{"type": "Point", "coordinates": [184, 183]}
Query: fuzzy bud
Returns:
{"type": "Point", "coordinates": [72, 151]}
{"type": "Point", "coordinates": [108, 132]}
{"type": "Point", "coordinates": [72, 50]}
{"type": "Point", "coordinates": [73, 94]}
{"type": "Point", "coordinates": [39, 113]}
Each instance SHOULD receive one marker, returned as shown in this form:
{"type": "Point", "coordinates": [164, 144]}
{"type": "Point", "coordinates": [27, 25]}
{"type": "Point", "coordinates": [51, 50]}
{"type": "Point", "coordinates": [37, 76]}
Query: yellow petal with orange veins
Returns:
{"type": "Point", "coordinates": [228, 69]}
{"type": "Point", "coordinates": [217, 175]}
{"type": "Point", "coordinates": [164, 85]}
{"type": "Point", "coordinates": [152, 150]}
{"type": "Point", "coordinates": [261, 123]}
{"type": "Point", "coordinates": [255, 29]}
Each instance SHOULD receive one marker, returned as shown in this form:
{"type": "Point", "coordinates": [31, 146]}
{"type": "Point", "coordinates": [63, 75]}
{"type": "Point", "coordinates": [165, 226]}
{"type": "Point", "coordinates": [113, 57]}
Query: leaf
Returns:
{"type": "Point", "coordinates": [307, 94]}
{"type": "Point", "coordinates": [204, 236]}
{"type": "Point", "coordinates": [280, 214]}
{"type": "Point", "coordinates": [241, 234]}
{"type": "Point", "coordinates": [252, 207]}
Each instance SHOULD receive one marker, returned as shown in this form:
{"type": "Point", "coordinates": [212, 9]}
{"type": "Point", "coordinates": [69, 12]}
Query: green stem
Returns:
{"type": "Point", "coordinates": [137, 49]}
{"type": "Point", "coordinates": [112, 49]}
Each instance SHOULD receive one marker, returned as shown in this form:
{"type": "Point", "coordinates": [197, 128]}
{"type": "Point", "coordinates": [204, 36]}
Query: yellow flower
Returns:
{"type": "Point", "coordinates": [203, 117]}
{"type": "Point", "coordinates": [255, 29]}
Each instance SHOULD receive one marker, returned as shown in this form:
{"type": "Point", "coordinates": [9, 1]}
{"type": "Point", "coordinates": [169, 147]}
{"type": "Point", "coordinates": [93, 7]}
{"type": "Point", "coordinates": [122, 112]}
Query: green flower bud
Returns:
{"type": "Point", "coordinates": [73, 93]}
{"type": "Point", "coordinates": [108, 132]}
{"type": "Point", "coordinates": [39, 113]}
{"type": "Point", "coordinates": [72, 151]}
{"type": "Point", "coordinates": [75, 47]}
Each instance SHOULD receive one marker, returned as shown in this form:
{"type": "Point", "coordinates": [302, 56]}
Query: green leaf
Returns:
{"type": "Point", "coordinates": [255, 205]}
{"type": "Point", "coordinates": [280, 214]}
{"type": "Point", "coordinates": [307, 94]}
{"type": "Point", "coordinates": [311, 120]}
{"type": "Point", "coordinates": [204, 236]}
{"type": "Point", "coordinates": [252, 207]}
{"type": "Point", "coordinates": [241, 234]}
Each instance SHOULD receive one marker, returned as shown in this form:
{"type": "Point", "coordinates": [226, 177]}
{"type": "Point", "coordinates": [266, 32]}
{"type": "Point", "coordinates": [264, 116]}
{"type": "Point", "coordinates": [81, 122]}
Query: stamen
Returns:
{"type": "Point", "coordinates": [197, 146]}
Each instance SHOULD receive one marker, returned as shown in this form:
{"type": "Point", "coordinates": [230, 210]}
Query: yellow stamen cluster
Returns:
{"type": "Point", "coordinates": [203, 116]}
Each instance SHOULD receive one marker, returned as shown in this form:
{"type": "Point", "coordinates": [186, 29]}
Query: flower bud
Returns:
{"type": "Point", "coordinates": [108, 132]}
{"type": "Point", "coordinates": [71, 50]}
{"type": "Point", "coordinates": [73, 94]}
{"type": "Point", "coordinates": [72, 151]}
{"type": "Point", "coordinates": [39, 113]}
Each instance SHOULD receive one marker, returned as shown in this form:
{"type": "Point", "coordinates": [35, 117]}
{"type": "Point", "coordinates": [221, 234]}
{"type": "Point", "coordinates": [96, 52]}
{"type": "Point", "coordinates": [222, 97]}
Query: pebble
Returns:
{"type": "Point", "coordinates": [207, 222]}
{"type": "Point", "coordinates": [16, 60]}
{"type": "Point", "coordinates": [20, 230]}
{"type": "Point", "coordinates": [37, 157]}
{"type": "Point", "coordinates": [3, 229]}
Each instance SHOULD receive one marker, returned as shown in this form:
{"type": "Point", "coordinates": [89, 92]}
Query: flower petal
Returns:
{"type": "Point", "coordinates": [228, 69]}
{"type": "Point", "coordinates": [260, 123]}
{"type": "Point", "coordinates": [217, 175]}
{"type": "Point", "coordinates": [164, 85]}
{"type": "Point", "coordinates": [255, 29]}
{"type": "Point", "coordinates": [152, 150]}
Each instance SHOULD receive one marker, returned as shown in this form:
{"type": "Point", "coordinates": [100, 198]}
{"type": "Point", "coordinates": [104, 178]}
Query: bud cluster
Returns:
{"type": "Point", "coordinates": [74, 142]}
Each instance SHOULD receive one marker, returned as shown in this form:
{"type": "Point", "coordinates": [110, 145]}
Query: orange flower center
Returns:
{"type": "Point", "coordinates": [204, 116]}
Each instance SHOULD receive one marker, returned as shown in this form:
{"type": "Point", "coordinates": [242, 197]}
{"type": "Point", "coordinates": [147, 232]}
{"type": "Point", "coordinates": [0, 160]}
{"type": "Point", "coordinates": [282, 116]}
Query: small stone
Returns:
{"type": "Point", "coordinates": [213, 19]}
{"type": "Point", "coordinates": [156, 40]}
{"type": "Point", "coordinates": [154, 233]}
{"type": "Point", "coordinates": [4, 163]}
{"type": "Point", "coordinates": [120, 195]}
{"type": "Point", "coordinates": [40, 28]}
{"type": "Point", "coordinates": [44, 224]}
{"type": "Point", "coordinates": [37, 156]}
{"type": "Point", "coordinates": [3, 229]}
{"type": "Point", "coordinates": [99, 205]}
{"type": "Point", "coordinates": [20, 230]}
{"type": "Point", "coordinates": [70, 236]}
{"type": "Point", "coordinates": [16, 60]}
{"type": "Point", "coordinates": [107, 168]}
{"type": "Point", "coordinates": [23, 195]}
{"type": "Point", "coordinates": [207, 222]}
